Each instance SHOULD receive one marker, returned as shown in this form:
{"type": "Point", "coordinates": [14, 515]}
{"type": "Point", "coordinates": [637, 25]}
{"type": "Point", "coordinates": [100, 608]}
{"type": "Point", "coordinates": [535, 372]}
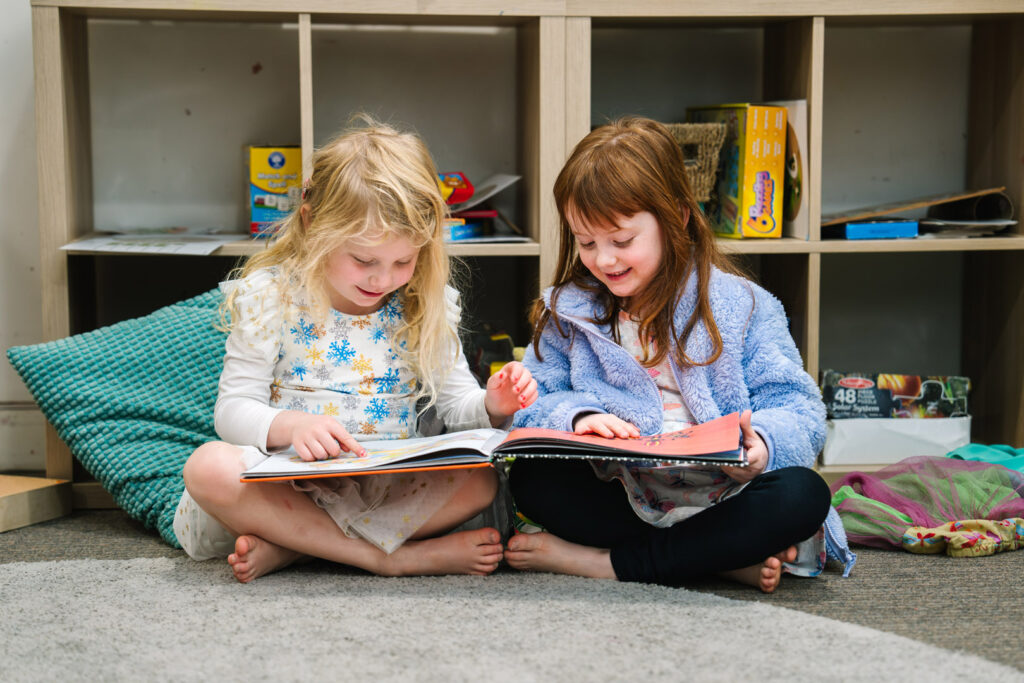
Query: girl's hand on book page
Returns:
{"type": "Point", "coordinates": [757, 453]}
{"type": "Point", "coordinates": [511, 388]}
{"type": "Point", "coordinates": [606, 425]}
{"type": "Point", "coordinates": [316, 437]}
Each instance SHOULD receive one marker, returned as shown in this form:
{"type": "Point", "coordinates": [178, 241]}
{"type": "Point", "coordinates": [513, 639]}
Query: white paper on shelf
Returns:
{"type": "Point", "coordinates": [186, 245]}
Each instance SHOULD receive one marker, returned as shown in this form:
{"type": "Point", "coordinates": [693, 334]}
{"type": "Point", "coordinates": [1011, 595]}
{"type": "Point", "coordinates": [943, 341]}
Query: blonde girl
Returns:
{"type": "Point", "coordinates": [648, 328]}
{"type": "Point", "coordinates": [344, 330]}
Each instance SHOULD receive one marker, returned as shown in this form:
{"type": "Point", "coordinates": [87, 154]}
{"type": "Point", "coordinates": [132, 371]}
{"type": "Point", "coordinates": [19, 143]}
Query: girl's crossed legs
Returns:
{"type": "Point", "coordinates": [595, 532]}
{"type": "Point", "coordinates": [276, 524]}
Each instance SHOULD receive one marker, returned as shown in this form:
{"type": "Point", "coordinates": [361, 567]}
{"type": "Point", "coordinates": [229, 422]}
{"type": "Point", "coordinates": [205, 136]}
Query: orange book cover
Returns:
{"type": "Point", "coordinates": [717, 442]}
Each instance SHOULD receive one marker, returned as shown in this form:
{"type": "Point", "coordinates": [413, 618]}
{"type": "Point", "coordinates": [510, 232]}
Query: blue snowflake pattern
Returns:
{"type": "Point", "coordinates": [378, 334]}
{"type": "Point", "coordinates": [341, 353]}
{"type": "Point", "coordinates": [403, 415]}
{"type": "Point", "coordinates": [376, 409]}
{"type": "Point", "coordinates": [299, 370]}
{"type": "Point", "coordinates": [305, 333]}
{"type": "Point", "coordinates": [388, 382]}
{"type": "Point", "coordinates": [392, 310]}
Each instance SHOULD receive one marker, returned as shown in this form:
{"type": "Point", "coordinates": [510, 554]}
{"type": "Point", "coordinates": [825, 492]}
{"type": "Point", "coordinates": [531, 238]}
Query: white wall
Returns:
{"type": "Point", "coordinates": [21, 427]}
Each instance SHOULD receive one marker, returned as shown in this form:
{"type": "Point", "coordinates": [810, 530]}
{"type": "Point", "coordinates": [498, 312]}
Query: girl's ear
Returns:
{"type": "Point", "coordinates": [685, 211]}
{"type": "Point", "coordinates": [304, 215]}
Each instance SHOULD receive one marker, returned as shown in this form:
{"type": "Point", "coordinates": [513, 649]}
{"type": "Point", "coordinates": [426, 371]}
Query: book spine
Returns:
{"type": "Point", "coordinates": [454, 233]}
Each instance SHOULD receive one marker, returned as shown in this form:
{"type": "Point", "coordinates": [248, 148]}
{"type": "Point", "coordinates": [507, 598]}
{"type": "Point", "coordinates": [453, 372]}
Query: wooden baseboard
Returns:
{"type": "Point", "coordinates": [833, 473]}
{"type": "Point", "coordinates": [89, 495]}
{"type": "Point", "coordinates": [30, 500]}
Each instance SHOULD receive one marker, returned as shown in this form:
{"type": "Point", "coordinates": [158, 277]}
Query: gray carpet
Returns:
{"type": "Point", "coordinates": [170, 618]}
{"type": "Point", "coordinates": [161, 616]}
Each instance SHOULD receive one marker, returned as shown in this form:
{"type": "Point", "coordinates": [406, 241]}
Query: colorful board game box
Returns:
{"type": "Point", "coordinates": [275, 186]}
{"type": "Point", "coordinates": [853, 394]}
{"type": "Point", "coordinates": [748, 197]}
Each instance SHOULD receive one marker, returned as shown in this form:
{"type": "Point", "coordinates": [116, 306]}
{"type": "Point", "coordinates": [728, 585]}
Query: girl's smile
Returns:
{"type": "Point", "coordinates": [625, 256]}
{"type": "Point", "coordinates": [362, 273]}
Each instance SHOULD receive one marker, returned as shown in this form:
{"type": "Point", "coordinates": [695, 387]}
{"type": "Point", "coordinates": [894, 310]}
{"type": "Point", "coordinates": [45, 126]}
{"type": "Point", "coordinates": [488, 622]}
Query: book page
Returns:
{"type": "Point", "coordinates": [459, 447]}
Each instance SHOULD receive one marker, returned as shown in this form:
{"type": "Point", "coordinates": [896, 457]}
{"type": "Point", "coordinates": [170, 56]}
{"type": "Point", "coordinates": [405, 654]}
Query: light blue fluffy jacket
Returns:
{"type": "Point", "coordinates": [759, 369]}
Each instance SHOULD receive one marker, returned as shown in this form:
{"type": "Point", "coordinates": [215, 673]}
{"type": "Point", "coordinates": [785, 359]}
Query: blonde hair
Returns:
{"type": "Point", "coordinates": [374, 180]}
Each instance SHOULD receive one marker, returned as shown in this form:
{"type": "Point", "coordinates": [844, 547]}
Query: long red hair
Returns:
{"type": "Point", "coordinates": [631, 165]}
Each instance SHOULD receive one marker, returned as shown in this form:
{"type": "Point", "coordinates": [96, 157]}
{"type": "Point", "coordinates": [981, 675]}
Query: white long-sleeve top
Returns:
{"type": "Point", "coordinates": [277, 359]}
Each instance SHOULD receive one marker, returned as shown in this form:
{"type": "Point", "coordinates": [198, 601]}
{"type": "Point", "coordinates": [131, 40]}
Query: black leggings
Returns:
{"type": "Point", "coordinates": [774, 511]}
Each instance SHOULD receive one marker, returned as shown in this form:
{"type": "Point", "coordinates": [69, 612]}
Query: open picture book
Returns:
{"type": "Point", "coordinates": [717, 442]}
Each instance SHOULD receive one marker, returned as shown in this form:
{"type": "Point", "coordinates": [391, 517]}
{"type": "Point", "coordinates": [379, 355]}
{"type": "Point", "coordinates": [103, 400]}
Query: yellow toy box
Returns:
{"type": "Point", "coordinates": [275, 186]}
{"type": "Point", "coordinates": [748, 200]}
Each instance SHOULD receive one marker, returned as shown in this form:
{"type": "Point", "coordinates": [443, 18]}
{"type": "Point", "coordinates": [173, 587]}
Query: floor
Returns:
{"type": "Point", "coordinates": [970, 604]}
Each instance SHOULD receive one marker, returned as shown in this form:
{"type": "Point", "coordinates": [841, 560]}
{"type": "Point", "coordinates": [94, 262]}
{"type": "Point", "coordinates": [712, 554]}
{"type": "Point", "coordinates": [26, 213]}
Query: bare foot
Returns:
{"type": "Point", "coordinates": [544, 552]}
{"type": "Point", "coordinates": [766, 575]}
{"type": "Point", "coordinates": [477, 551]}
{"type": "Point", "coordinates": [254, 557]}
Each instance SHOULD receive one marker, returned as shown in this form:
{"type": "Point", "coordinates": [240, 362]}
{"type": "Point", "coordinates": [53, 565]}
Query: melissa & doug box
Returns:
{"type": "Point", "coordinates": [849, 395]}
{"type": "Point", "coordinates": [275, 186]}
{"type": "Point", "coordinates": [748, 200]}
{"type": "Point", "coordinates": [861, 429]}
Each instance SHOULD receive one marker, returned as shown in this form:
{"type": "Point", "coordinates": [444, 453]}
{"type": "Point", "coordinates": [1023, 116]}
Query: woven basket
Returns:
{"type": "Point", "coordinates": [700, 143]}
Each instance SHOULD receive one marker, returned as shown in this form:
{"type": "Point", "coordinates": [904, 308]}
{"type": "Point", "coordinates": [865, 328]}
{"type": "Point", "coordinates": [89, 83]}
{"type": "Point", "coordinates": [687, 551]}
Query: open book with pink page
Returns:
{"type": "Point", "coordinates": [717, 442]}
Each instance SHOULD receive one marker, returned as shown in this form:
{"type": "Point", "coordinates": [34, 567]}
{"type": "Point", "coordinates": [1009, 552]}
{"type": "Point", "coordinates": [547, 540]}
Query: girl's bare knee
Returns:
{"type": "Point", "coordinates": [210, 471]}
{"type": "Point", "coordinates": [481, 488]}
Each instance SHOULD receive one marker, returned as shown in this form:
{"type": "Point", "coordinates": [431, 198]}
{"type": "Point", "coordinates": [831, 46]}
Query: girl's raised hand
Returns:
{"type": "Point", "coordinates": [511, 388]}
{"type": "Point", "coordinates": [606, 425]}
{"type": "Point", "coordinates": [757, 453]}
{"type": "Point", "coordinates": [316, 437]}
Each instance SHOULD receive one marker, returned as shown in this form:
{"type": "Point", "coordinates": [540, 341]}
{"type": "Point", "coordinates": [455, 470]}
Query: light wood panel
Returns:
{"type": "Point", "coordinates": [530, 8]}
{"type": "Point", "coordinates": [785, 245]}
{"type": "Point", "coordinates": [791, 8]}
{"type": "Point", "coordinates": [993, 345]}
{"type": "Point", "coordinates": [30, 500]}
{"type": "Point", "coordinates": [306, 93]}
{"type": "Point", "coordinates": [794, 68]}
{"type": "Point", "coordinates": [577, 81]}
{"type": "Point", "coordinates": [993, 336]}
{"type": "Point", "coordinates": [247, 8]}
{"type": "Point", "coordinates": [64, 172]}
{"type": "Point", "coordinates": [543, 99]}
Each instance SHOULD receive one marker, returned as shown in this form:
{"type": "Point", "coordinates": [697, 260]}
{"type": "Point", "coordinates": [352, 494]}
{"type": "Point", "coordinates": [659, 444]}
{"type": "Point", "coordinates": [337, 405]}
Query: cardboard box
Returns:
{"type": "Point", "coordinates": [883, 440]}
{"type": "Point", "coordinates": [275, 186]}
{"type": "Point", "coordinates": [749, 188]}
{"type": "Point", "coordinates": [796, 219]}
{"type": "Point", "coordinates": [857, 395]}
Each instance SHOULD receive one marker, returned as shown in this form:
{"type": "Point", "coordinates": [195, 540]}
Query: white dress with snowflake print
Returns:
{"type": "Point", "coordinates": [347, 367]}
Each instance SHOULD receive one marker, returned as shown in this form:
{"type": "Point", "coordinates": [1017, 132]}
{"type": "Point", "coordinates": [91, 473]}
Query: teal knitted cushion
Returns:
{"type": "Point", "coordinates": [133, 400]}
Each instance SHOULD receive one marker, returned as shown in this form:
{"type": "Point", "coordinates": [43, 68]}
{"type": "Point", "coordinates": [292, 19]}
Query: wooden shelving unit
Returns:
{"type": "Point", "coordinates": [556, 82]}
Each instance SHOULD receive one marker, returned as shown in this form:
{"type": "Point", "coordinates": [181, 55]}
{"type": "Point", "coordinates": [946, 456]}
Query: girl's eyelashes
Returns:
{"type": "Point", "coordinates": [618, 243]}
{"type": "Point", "coordinates": [372, 262]}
